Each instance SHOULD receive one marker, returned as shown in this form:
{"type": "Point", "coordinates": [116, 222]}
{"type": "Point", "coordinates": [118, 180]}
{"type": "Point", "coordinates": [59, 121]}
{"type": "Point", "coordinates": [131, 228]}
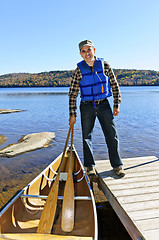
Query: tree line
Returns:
{"type": "Point", "coordinates": [125, 77]}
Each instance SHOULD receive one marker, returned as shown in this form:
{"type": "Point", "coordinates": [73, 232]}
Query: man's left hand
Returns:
{"type": "Point", "coordinates": [116, 111]}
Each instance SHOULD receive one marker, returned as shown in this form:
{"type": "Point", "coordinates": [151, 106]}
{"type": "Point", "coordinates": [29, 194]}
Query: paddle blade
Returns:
{"type": "Point", "coordinates": [48, 213]}
{"type": "Point", "coordinates": [67, 223]}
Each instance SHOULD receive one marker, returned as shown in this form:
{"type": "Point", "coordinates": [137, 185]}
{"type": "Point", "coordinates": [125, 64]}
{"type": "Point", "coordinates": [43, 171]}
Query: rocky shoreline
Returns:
{"type": "Point", "coordinates": [28, 143]}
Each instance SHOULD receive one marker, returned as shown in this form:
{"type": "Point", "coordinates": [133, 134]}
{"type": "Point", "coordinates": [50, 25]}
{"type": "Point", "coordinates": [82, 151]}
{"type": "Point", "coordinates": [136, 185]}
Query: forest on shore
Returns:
{"type": "Point", "coordinates": [125, 77]}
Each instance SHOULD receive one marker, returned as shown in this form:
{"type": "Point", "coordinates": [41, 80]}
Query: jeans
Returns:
{"type": "Point", "coordinates": [105, 116]}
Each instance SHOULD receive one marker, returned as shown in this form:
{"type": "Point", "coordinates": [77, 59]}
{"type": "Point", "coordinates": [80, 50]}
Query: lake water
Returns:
{"type": "Point", "coordinates": [46, 109]}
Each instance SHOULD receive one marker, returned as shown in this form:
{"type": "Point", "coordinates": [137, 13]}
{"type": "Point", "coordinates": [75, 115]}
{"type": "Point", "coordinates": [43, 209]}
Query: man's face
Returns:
{"type": "Point", "coordinates": [87, 53]}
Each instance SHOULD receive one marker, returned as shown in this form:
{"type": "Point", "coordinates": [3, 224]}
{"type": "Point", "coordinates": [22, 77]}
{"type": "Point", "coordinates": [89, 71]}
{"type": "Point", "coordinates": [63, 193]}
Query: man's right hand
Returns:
{"type": "Point", "coordinates": [72, 120]}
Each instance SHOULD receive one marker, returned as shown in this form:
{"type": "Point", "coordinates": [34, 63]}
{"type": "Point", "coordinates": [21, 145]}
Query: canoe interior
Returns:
{"type": "Point", "coordinates": [24, 213]}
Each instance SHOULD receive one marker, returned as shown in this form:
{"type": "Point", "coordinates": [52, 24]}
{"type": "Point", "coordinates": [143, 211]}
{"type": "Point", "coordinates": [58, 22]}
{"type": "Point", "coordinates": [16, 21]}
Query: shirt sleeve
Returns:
{"type": "Point", "coordinates": [74, 90]}
{"type": "Point", "coordinates": [114, 84]}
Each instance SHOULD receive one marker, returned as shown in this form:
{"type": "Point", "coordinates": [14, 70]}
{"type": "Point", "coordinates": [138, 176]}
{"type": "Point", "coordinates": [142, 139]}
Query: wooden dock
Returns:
{"type": "Point", "coordinates": [134, 198]}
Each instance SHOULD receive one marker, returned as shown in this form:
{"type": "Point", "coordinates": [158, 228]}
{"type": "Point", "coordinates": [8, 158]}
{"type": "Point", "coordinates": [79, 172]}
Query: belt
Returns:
{"type": "Point", "coordinates": [99, 101]}
{"type": "Point", "coordinates": [96, 101]}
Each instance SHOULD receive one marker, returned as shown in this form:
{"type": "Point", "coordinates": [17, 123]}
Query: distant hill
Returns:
{"type": "Point", "coordinates": [133, 77]}
{"type": "Point", "coordinates": [125, 77]}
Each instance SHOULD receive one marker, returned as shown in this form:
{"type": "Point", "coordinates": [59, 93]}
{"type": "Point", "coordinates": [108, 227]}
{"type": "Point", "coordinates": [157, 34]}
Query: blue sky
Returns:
{"type": "Point", "coordinates": [43, 35]}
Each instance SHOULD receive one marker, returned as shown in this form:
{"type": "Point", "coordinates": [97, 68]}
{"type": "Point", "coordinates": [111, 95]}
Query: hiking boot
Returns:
{"type": "Point", "coordinates": [91, 171]}
{"type": "Point", "coordinates": [119, 171]}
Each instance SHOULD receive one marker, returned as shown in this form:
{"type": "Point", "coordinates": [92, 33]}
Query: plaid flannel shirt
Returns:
{"type": "Point", "coordinates": [74, 88]}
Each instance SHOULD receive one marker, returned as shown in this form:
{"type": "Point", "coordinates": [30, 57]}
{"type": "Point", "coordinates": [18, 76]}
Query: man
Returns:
{"type": "Point", "coordinates": [95, 79]}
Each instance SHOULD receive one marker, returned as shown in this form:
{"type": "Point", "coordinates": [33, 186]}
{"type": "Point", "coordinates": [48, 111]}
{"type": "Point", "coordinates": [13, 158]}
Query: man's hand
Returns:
{"type": "Point", "coordinates": [72, 120]}
{"type": "Point", "coordinates": [116, 111]}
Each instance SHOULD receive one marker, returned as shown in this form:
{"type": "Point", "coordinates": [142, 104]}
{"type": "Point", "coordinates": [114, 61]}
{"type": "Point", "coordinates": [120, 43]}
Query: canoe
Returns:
{"type": "Point", "coordinates": [20, 218]}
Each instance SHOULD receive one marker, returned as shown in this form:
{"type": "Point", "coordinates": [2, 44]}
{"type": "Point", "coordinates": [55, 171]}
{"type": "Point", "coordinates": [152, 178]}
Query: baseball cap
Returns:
{"type": "Point", "coordinates": [85, 42]}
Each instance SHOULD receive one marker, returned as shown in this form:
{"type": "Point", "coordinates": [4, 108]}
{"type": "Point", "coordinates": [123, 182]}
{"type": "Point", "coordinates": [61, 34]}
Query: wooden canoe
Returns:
{"type": "Point", "coordinates": [21, 216]}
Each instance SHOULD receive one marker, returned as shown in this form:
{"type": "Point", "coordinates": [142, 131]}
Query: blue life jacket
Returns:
{"type": "Point", "coordinates": [95, 84]}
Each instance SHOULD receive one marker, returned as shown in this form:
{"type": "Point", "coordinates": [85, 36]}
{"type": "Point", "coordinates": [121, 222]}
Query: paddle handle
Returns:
{"type": "Point", "coordinates": [71, 148]}
{"type": "Point", "coordinates": [66, 143]}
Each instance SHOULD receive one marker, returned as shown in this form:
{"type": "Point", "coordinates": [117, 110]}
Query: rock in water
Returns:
{"type": "Point", "coordinates": [28, 143]}
{"type": "Point", "coordinates": [4, 111]}
{"type": "Point", "coordinates": [2, 139]}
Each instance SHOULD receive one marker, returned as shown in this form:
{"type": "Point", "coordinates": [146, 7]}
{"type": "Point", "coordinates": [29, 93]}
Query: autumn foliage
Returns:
{"type": "Point", "coordinates": [125, 77]}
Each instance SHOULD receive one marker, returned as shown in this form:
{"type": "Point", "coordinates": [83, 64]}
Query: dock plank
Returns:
{"type": "Point", "coordinates": [144, 214]}
{"type": "Point", "coordinates": [151, 234]}
{"type": "Point", "coordinates": [147, 225]}
{"type": "Point", "coordinates": [132, 185]}
{"type": "Point", "coordinates": [139, 198]}
{"type": "Point", "coordinates": [135, 198]}
{"type": "Point", "coordinates": [127, 192]}
{"type": "Point", "coordinates": [137, 206]}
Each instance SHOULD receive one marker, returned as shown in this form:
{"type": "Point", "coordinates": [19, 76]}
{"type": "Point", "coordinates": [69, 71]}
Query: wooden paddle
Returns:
{"type": "Point", "coordinates": [48, 213]}
{"type": "Point", "coordinates": [67, 222]}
